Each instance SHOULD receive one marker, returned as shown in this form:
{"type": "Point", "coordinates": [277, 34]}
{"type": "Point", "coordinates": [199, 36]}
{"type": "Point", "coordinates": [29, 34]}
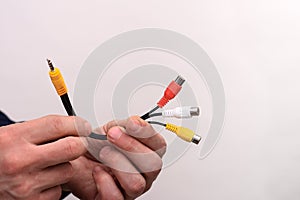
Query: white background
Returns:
{"type": "Point", "coordinates": [253, 43]}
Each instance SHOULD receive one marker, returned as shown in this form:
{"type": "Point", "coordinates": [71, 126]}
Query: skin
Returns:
{"type": "Point", "coordinates": [41, 157]}
{"type": "Point", "coordinates": [32, 165]}
{"type": "Point", "coordinates": [130, 162]}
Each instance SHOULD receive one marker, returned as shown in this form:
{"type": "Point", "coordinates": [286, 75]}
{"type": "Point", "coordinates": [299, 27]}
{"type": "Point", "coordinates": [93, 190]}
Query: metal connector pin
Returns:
{"type": "Point", "coordinates": [194, 111]}
{"type": "Point", "coordinates": [50, 65]}
{"type": "Point", "coordinates": [179, 80]}
{"type": "Point", "coordinates": [196, 139]}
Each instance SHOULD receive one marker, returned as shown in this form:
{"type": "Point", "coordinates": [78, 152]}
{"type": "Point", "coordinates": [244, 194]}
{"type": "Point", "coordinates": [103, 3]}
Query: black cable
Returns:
{"type": "Point", "coordinates": [67, 104]}
{"type": "Point", "coordinates": [155, 115]}
{"type": "Point", "coordinates": [154, 109]}
{"type": "Point", "coordinates": [146, 116]}
{"type": "Point", "coordinates": [69, 108]}
{"type": "Point", "coordinates": [157, 123]}
{"type": "Point", "coordinates": [97, 136]}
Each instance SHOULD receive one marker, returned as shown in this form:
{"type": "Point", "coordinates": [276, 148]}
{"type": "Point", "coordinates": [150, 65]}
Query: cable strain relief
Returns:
{"type": "Point", "coordinates": [145, 116]}
{"type": "Point", "coordinates": [167, 113]}
{"type": "Point", "coordinates": [162, 102]}
{"type": "Point", "coordinates": [58, 82]}
{"type": "Point", "coordinates": [171, 127]}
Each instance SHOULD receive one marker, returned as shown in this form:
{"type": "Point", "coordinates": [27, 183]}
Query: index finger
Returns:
{"type": "Point", "coordinates": [51, 128]}
{"type": "Point", "coordinates": [60, 151]}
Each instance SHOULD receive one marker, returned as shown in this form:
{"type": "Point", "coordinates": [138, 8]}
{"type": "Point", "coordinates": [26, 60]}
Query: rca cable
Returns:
{"type": "Point", "coordinates": [171, 91]}
{"type": "Point", "coordinates": [61, 89]}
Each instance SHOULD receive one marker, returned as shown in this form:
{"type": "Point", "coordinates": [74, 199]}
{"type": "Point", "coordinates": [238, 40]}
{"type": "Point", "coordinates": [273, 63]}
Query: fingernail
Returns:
{"type": "Point", "coordinates": [114, 133]}
{"type": "Point", "coordinates": [135, 125]}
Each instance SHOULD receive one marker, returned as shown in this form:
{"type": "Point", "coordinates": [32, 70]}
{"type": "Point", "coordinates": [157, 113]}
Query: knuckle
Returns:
{"type": "Point", "coordinates": [157, 163]}
{"type": "Point", "coordinates": [72, 147]}
{"type": "Point", "coordinates": [163, 142]}
{"type": "Point", "coordinates": [56, 193]}
{"type": "Point", "coordinates": [53, 193]}
{"type": "Point", "coordinates": [68, 171]}
{"type": "Point", "coordinates": [10, 164]}
{"type": "Point", "coordinates": [116, 196]}
{"type": "Point", "coordinates": [137, 187]}
{"type": "Point", "coordinates": [55, 123]}
{"type": "Point", "coordinates": [131, 145]}
{"type": "Point", "coordinates": [160, 145]}
{"type": "Point", "coordinates": [21, 190]}
{"type": "Point", "coordinates": [154, 163]}
{"type": "Point", "coordinates": [163, 150]}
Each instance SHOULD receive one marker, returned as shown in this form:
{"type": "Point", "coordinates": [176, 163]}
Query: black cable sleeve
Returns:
{"type": "Point", "coordinates": [155, 115]}
{"type": "Point", "coordinates": [69, 108]}
{"type": "Point", "coordinates": [146, 116]}
{"type": "Point", "coordinates": [97, 136]}
{"type": "Point", "coordinates": [154, 109]}
{"type": "Point", "coordinates": [67, 104]}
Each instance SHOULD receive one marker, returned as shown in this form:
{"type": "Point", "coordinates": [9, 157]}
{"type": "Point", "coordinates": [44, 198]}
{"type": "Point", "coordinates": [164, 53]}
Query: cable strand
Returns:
{"type": "Point", "coordinates": [157, 123]}
{"type": "Point", "coordinates": [146, 116]}
{"type": "Point", "coordinates": [155, 115]}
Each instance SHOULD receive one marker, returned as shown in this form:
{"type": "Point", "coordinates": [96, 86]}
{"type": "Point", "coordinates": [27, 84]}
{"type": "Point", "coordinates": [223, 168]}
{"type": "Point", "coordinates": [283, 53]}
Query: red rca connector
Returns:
{"type": "Point", "coordinates": [171, 91]}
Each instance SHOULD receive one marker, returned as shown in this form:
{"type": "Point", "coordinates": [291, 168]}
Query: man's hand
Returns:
{"type": "Point", "coordinates": [35, 155]}
{"type": "Point", "coordinates": [130, 162]}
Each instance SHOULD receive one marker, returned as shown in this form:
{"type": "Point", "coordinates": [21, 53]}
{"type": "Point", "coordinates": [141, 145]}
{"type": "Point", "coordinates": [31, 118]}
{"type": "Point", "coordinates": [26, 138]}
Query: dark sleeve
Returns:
{"type": "Point", "coordinates": [4, 121]}
{"type": "Point", "coordinates": [64, 194]}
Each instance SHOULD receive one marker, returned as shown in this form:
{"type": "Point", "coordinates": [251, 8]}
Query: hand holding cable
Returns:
{"type": "Point", "coordinates": [171, 91]}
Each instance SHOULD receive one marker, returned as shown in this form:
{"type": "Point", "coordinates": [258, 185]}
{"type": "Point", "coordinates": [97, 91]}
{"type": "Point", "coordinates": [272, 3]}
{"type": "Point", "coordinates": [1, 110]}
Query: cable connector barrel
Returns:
{"type": "Point", "coordinates": [57, 79]}
{"type": "Point", "coordinates": [182, 112]}
{"type": "Point", "coordinates": [171, 91]}
{"type": "Point", "coordinates": [184, 133]}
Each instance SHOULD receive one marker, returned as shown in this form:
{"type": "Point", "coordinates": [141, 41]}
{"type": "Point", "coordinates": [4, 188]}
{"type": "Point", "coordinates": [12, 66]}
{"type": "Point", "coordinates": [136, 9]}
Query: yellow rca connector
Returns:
{"type": "Point", "coordinates": [61, 89]}
{"type": "Point", "coordinates": [57, 80]}
{"type": "Point", "coordinates": [184, 133]}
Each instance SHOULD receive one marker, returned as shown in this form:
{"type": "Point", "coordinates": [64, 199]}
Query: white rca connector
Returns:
{"type": "Point", "coordinates": [182, 112]}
